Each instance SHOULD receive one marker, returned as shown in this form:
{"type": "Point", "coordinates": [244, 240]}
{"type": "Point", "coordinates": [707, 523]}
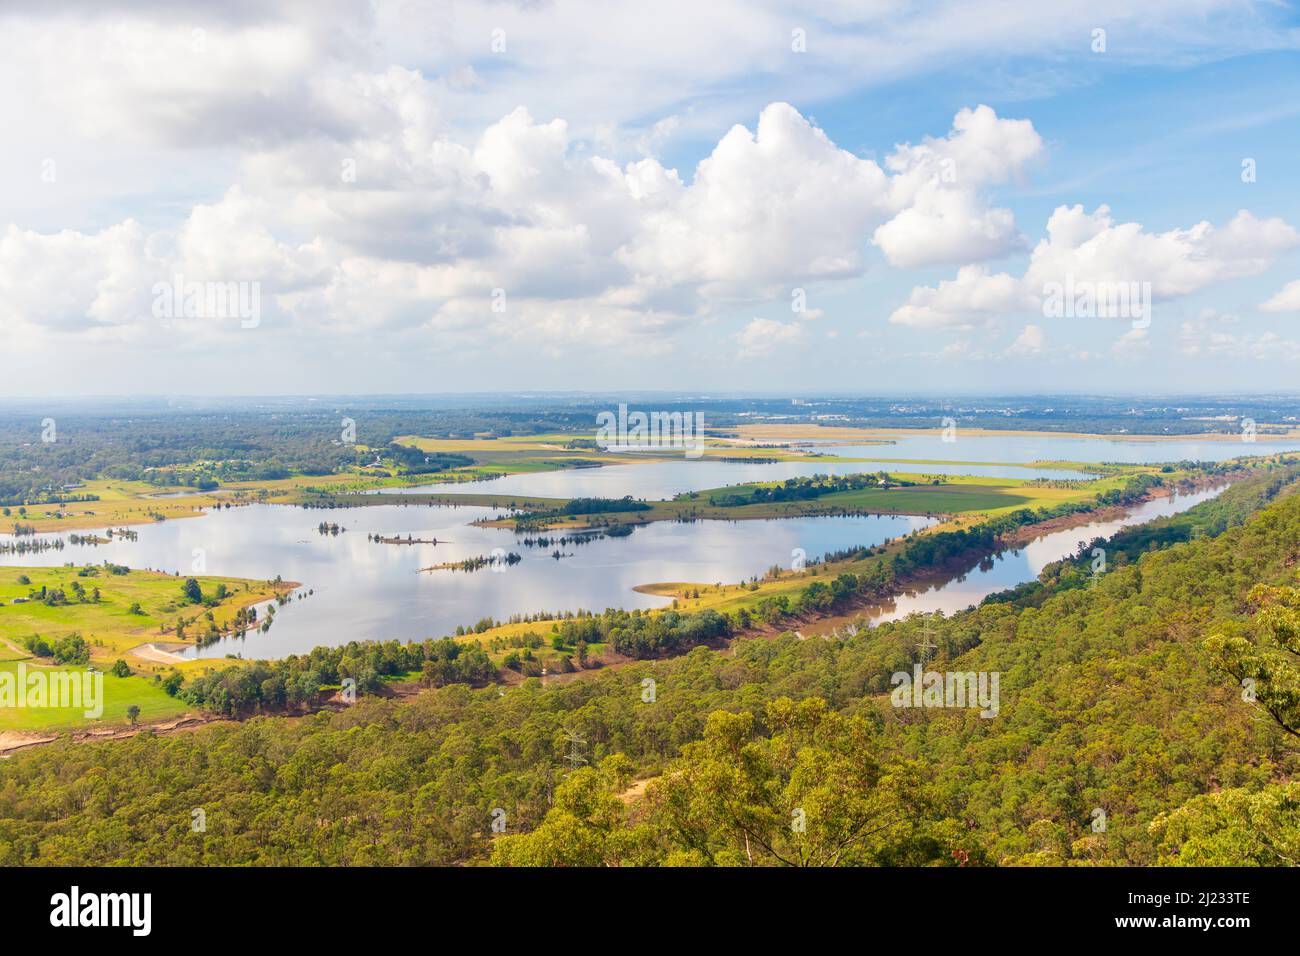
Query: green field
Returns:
{"type": "Point", "coordinates": [109, 626]}
{"type": "Point", "coordinates": [119, 694]}
{"type": "Point", "coordinates": [111, 631]}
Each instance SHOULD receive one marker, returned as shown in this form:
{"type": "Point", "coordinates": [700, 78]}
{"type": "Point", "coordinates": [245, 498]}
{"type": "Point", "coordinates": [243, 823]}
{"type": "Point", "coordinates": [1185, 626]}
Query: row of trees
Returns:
{"type": "Point", "coordinates": [805, 489]}
{"type": "Point", "coordinates": [299, 681]}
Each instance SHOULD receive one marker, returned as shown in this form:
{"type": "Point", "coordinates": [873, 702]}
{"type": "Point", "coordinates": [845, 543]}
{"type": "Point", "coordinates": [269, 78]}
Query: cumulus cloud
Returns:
{"type": "Point", "coordinates": [605, 66]}
{"type": "Point", "coordinates": [761, 337]}
{"type": "Point", "coordinates": [1092, 247]}
{"type": "Point", "coordinates": [767, 208]}
{"type": "Point", "coordinates": [1202, 339]}
{"type": "Point", "coordinates": [937, 185]}
{"type": "Point", "coordinates": [1286, 299]}
{"type": "Point", "coordinates": [373, 168]}
{"type": "Point", "coordinates": [1086, 250]}
{"type": "Point", "coordinates": [1029, 342]}
{"type": "Point", "coordinates": [975, 297]}
{"type": "Point", "coordinates": [71, 282]}
{"type": "Point", "coordinates": [401, 226]}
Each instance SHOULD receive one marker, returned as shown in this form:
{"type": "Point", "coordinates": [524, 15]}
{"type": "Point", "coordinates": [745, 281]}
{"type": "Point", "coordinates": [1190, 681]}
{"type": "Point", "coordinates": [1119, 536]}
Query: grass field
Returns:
{"type": "Point", "coordinates": [109, 627]}
{"type": "Point", "coordinates": [119, 694]}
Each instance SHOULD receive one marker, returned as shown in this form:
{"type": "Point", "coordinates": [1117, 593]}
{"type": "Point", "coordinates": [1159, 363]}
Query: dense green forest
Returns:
{"type": "Point", "coordinates": [1121, 704]}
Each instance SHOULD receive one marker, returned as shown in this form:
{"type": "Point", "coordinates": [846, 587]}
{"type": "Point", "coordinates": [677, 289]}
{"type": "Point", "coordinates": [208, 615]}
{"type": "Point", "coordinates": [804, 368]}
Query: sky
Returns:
{"type": "Point", "coordinates": [408, 196]}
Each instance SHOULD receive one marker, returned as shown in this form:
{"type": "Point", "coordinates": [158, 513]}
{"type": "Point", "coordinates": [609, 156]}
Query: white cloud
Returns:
{"type": "Point", "coordinates": [214, 140]}
{"type": "Point", "coordinates": [1029, 342]}
{"type": "Point", "coordinates": [1286, 299]}
{"type": "Point", "coordinates": [403, 227]}
{"type": "Point", "coordinates": [937, 188]}
{"type": "Point", "coordinates": [975, 297]}
{"type": "Point", "coordinates": [1085, 249]}
{"type": "Point", "coordinates": [766, 209]}
{"type": "Point", "coordinates": [1201, 339]}
{"type": "Point", "coordinates": [1091, 247]}
{"type": "Point", "coordinates": [1133, 344]}
{"type": "Point", "coordinates": [763, 336]}
{"type": "Point", "coordinates": [72, 282]}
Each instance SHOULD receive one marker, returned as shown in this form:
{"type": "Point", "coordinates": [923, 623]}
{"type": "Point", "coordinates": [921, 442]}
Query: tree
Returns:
{"type": "Point", "coordinates": [1233, 828]}
{"type": "Point", "coordinates": [586, 825]}
{"type": "Point", "coordinates": [71, 649]}
{"type": "Point", "coordinates": [1266, 669]}
{"type": "Point", "coordinates": [812, 793]}
{"type": "Point", "coordinates": [191, 591]}
{"type": "Point", "coordinates": [120, 669]}
{"type": "Point", "coordinates": [133, 714]}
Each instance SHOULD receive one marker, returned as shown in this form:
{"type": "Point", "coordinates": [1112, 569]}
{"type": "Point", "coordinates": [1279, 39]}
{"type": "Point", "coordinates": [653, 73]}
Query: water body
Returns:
{"type": "Point", "coordinates": [1015, 566]}
{"type": "Point", "coordinates": [1025, 448]}
{"type": "Point", "coordinates": [1005, 455]}
{"type": "Point", "coordinates": [655, 480]}
{"type": "Point", "coordinates": [367, 590]}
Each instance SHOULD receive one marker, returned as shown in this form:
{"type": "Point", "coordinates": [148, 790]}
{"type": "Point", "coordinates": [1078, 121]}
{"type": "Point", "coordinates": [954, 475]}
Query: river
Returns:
{"type": "Point", "coordinates": [362, 589]}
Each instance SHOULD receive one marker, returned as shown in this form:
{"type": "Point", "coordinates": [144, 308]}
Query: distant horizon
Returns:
{"type": "Point", "coordinates": [701, 394]}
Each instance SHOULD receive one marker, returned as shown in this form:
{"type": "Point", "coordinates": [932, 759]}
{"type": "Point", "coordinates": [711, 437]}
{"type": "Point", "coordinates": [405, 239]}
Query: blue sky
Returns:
{"type": "Point", "coordinates": [1160, 144]}
{"type": "Point", "coordinates": [511, 218]}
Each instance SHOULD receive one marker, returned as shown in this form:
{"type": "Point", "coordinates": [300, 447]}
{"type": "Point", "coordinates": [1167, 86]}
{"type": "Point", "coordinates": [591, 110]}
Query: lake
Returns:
{"type": "Point", "coordinates": [1025, 448]}
{"type": "Point", "coordinates": [362, 589]}
{"type": "Point", "coordinates": [1005, 456]}
{"type": "Point", "coordinates": [664, 479]}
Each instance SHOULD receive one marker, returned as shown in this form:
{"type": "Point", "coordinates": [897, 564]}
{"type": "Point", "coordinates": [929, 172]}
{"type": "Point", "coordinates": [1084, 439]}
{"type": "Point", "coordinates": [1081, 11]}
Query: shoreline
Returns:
{"type": "Point", "coordinates": [292, 491]}
{"type": "Point", "coordinates": [847, 433]}
{"type": "Point", "coordinates": [11, 741]}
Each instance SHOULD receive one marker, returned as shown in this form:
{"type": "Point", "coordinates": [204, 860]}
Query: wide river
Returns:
{"type": "Point", "coordinates": [363, 589]}
{"type": "Point", "coordinates": [1015, 566]}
